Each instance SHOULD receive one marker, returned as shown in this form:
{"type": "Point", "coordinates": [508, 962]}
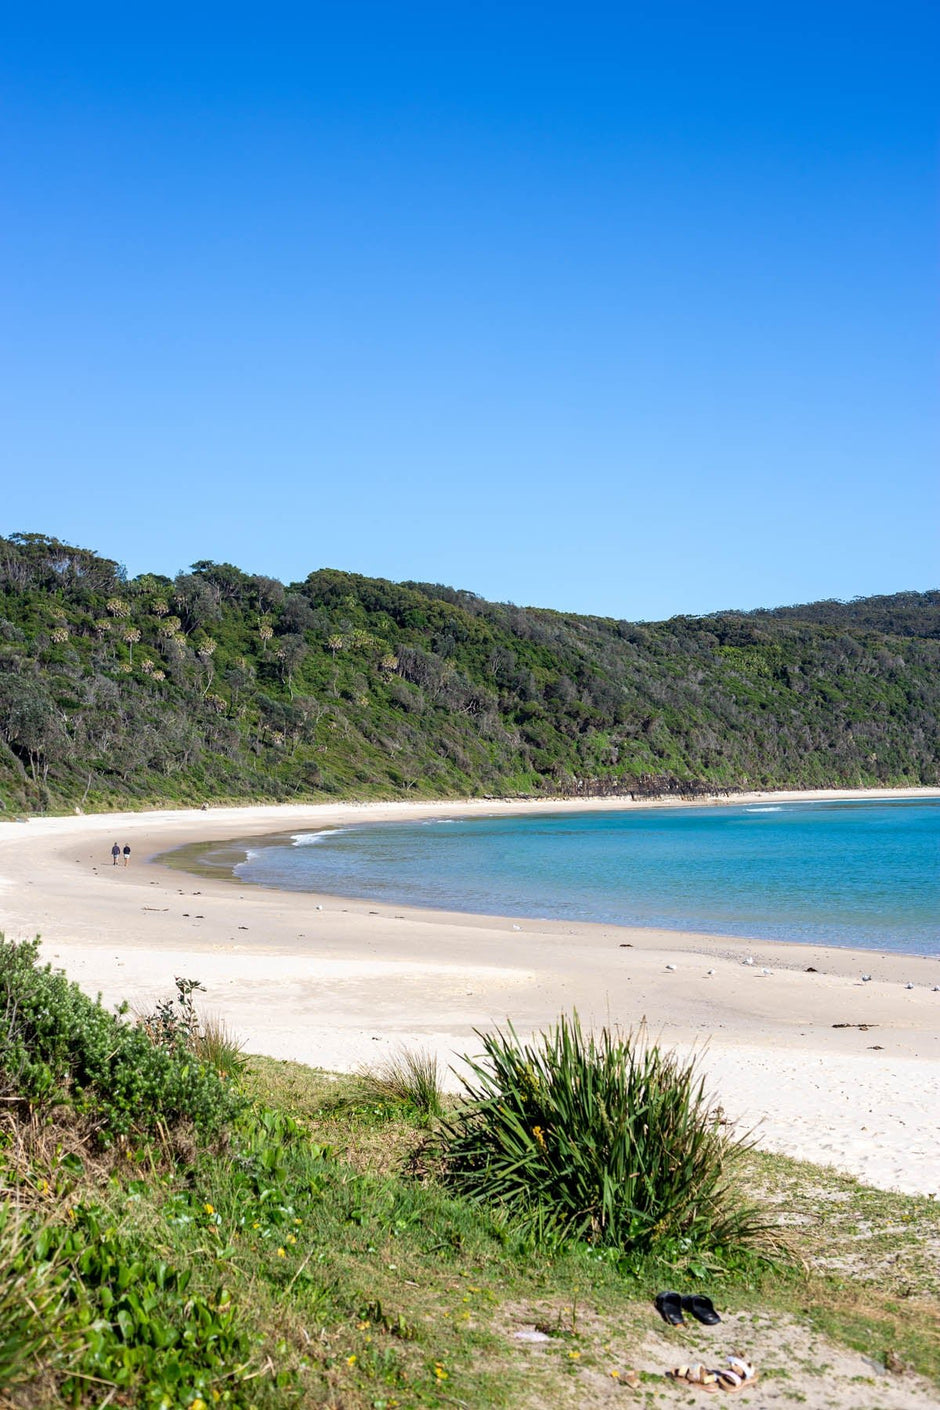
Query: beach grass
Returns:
{"type": "Point", "coordinates": [407, 1077]}
{"type": "Point", "coordinates": [216, 1045]}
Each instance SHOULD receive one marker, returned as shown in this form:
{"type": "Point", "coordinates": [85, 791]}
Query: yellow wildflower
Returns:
{"type": "Point", "coordinates": [209, 1208]}
{"type": "Point", "coordinates": [198, 1404]}
{"type": "Point", "coordinates": [281, 1253]}
{"type": "Point", "coordinates": [440, 1372]}
{"type": "Point", "coordinates": [351, 1360]}
{"type": "Point", "coordinates": [574, 1355]}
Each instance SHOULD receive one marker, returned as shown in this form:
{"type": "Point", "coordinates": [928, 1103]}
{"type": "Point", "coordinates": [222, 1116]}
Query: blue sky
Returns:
{"type": "Point", "coordinates": [627, 309]}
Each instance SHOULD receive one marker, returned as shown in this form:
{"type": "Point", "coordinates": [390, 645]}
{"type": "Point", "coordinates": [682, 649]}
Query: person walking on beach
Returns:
{"type": "Point", "coordinates": [115, 853]}
{"type": "Point", "coordinates": [127, 854]}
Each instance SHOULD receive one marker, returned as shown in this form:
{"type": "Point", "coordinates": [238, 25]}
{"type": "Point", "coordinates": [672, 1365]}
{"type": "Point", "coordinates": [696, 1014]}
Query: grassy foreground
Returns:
{"type": "Point", "coordinates": [307, 1254]}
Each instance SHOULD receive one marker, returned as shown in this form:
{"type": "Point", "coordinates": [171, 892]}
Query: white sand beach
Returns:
{"type": "Point", "coordinates": [338, 983]}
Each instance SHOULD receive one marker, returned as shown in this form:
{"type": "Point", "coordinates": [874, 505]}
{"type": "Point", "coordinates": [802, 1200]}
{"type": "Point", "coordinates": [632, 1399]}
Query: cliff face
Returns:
{"type": "Point", "coordinates": [222, 684]}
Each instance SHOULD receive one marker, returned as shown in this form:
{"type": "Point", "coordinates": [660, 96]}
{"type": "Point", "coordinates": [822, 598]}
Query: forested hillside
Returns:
{"type": "Point", "coordinates": [220, 684]}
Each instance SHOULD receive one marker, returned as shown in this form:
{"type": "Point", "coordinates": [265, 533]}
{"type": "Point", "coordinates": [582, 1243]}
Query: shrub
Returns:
{"type": "Point", "coordinates": [409, 1078]}
{"type": "Point", "coordinates": [174, 1024]}
{"type": "Point", "coordinates": [608, 1139]}
{"type": "Point", "coordinates": [59, 1046]}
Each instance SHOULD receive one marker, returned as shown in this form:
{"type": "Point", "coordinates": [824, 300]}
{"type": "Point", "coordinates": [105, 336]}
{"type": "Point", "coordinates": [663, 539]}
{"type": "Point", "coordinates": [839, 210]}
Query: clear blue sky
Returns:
{"type": "Point", "coordinates": [625, 308]}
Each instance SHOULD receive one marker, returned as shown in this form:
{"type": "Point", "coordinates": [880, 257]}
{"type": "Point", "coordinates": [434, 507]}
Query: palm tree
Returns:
{"type": "Point", "coordinates": [131, 637]}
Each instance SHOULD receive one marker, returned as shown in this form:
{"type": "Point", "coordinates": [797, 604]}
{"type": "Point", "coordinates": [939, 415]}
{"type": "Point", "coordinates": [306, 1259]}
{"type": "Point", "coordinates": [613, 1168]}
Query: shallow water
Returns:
{"type": "Point", "coordinates": [863, 873]}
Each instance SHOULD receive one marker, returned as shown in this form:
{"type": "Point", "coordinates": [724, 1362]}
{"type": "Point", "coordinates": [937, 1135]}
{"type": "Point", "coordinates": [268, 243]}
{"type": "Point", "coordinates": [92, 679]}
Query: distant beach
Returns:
{"type": "Point", "coordinates": [831, 1067]}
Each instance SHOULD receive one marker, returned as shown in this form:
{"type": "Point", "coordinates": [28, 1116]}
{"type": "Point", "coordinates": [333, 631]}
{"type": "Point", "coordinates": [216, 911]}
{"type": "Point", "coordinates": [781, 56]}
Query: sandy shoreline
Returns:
{"type": "Point", "coordinates": [339, 982]}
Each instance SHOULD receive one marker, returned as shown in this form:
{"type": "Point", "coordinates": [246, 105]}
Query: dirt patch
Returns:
{"type": "Point", "coordinates": [587, 1362]}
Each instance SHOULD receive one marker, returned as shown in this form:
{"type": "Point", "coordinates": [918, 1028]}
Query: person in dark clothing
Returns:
{"type": "Point", "coordinates": [127, 854]}
{"type": "Point", "coordinates": [115, 853]}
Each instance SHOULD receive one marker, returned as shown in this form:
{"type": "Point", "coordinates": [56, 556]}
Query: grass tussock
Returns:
{"type": "Point", "coordinates": [606, 1138]}
{"type": "Point", "coordinates": [215, 1044]}
{"type": "Point", "coordinates": [409, 1078]}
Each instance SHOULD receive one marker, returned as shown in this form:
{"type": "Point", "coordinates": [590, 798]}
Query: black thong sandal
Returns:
{"type": "Point", "coordinates": [702, 1309]}
{"type": "Point", "coordinates": [669, 1307]}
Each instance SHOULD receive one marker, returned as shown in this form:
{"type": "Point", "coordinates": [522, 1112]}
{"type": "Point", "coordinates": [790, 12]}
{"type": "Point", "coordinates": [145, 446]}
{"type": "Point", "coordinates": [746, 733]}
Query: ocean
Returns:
{"type": "Point", "coordinates": [856, 873]}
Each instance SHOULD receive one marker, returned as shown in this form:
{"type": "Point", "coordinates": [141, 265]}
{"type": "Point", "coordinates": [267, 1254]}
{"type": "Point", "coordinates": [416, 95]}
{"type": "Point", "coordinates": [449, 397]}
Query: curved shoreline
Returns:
{"type": "Point", "coordinates": [336, 983]}
{"type": "Point", "coordinates": [222, 858]}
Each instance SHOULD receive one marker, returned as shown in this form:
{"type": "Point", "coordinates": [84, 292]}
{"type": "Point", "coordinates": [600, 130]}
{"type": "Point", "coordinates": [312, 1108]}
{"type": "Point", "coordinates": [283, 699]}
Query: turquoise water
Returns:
{"type": "Point", "coordinates": [856, 873]}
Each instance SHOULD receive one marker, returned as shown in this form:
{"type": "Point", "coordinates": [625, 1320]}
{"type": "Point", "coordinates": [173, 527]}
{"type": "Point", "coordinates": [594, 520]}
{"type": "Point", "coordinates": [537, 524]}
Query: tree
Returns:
{"type": "Point", "coordinates": [291, 653]}
{"type": "Point", "coordinates": [31, 724]}
{"type": "Point", "coordinates": [239, 676]}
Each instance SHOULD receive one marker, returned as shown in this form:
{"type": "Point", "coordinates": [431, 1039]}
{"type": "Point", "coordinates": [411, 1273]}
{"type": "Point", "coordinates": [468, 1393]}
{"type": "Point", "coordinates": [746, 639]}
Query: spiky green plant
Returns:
{"type": "Point", "coordinates": [605, 1137]}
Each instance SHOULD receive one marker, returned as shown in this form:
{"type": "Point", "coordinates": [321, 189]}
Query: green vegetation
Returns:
{"type": "Point", "coordinates": [306, 1252]}
{"type": "Point", "coordinates": [60, 1048]}
{"type": "Point", "coordinates": [29, 1296]}
{"type": "Point", "coordinates": [219, 684]}
{"type": "Point", "coordinates": [599, 1137]}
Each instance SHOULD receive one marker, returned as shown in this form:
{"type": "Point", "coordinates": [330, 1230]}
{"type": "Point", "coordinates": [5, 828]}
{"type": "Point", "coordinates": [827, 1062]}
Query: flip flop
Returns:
{"type": "Point", "coordinates": [702, 1308]}
{"type": "Point", "coordinates": [669, 1307]}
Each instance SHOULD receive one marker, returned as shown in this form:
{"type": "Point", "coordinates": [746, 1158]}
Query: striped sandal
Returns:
{"type": "Point", "coordinates": [696, 1375]}
{"type": "Point", "coordinates": [739, 1375]}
